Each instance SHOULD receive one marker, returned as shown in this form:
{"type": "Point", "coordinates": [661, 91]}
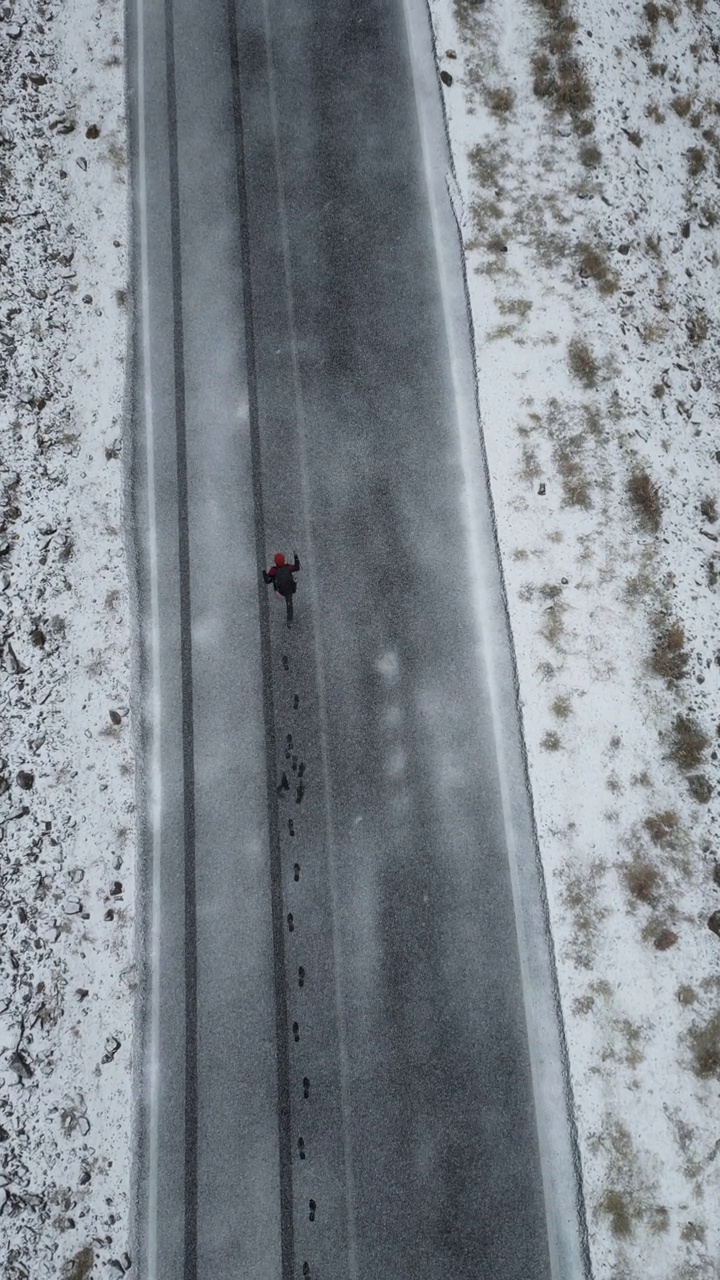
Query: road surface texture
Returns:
{"type": "Point", "coordinates": [353, 1058]}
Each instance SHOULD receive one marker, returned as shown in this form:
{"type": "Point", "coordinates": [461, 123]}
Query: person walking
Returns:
{"type": "Point", "coordinates": [280, 574]}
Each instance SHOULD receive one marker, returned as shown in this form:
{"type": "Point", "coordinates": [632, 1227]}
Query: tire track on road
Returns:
{"type": "Point", "coordinates": [287, 1239]}
{"type": "Point", "coordinates": [188, 754]}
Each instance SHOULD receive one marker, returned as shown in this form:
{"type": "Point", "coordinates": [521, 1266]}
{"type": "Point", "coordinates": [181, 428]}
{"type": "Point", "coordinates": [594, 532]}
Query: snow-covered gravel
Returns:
{"type": "Point", "coordinates": [592, 267]}
{"type": "Point", "coordinates": [67, 822]}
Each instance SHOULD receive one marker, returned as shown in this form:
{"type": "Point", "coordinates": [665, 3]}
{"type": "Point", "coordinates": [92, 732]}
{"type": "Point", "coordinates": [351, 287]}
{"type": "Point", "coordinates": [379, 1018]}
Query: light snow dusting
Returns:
{"type": "Point", "coordinates": [586, 148]}
{"type": "Point", "coordinates": [68, 824]}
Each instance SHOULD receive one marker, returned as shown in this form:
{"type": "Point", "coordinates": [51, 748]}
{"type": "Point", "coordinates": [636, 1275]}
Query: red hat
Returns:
{"type": "Point", "coordinates": [279, 558]}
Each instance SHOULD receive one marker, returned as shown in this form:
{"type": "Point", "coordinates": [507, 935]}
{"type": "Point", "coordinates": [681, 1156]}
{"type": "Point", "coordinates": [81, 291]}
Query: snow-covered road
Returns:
{"type": "Point", "coordinates": [344, 923]}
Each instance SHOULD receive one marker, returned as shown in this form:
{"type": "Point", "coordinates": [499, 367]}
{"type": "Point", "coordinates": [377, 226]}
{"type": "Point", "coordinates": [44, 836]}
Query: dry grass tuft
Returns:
{"type": "Point", "coordinates": [643, 882]}
{"type": "Point", "coordinates": [562, 707]}
{"type": "Point", "coordinates": [700, 788]}
{"type": "Point", "coordinates": [500, 101]}
{"type": "Point", "coordinates": [669, 656]}
{"type": "Point", "coordinates": [696, 161]}
{"type": "Point", "coordinates": [705, 1046]}
{"type": "Point", "coordinates": [653, 112]}
{"type": "Point", "coordinates": [590, 155]}
{"type": "Point", "coordinates": [593, 264]}
{"type": "Point", "coordinates": [686, 995]}
{"type": "Point", "coordinates": [80, 1267]}
{"type": "Point", "coordinates": [681, 104]}
{"type": "Point", "coordinates": [616, 1206]}
{"type": "Point", "coordinates": [558, 75]}
{"type": "Point", "coordinates": [583, 364]}
{"type": "Point", "coordinates": [666, 939]}
{"type": "Point", "coordinates": [646, 500]}
{"type": "Point", "coordinates": [708, 508]}
{"type": "Point", "coordinates": [575, 482]}
{"type": "Point", "coordinates": [663, 828]}
{"type": "Point", "coordinates": [689, 743]}
{"type": "Point", "coordinates": [551, 741]}
{"type": "Point", "coordinates": [466, 11]}
{"type": "Point", "coordinates": [487, 164]}
{"type": "Point", "coordinates": [698, 327]}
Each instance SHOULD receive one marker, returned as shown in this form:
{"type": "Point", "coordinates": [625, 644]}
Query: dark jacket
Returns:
{"type": "Point", "coordinates": [281, 577]}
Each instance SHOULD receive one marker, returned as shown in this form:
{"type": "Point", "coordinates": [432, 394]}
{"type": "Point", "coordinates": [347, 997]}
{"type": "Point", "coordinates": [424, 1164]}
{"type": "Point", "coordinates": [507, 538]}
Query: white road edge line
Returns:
{"type": "Point", "coordinates": [468, 430]}
{"type": "Point", "coordinates": [322, 702]}
{"type": "Point", "coordinates": [154, 704]}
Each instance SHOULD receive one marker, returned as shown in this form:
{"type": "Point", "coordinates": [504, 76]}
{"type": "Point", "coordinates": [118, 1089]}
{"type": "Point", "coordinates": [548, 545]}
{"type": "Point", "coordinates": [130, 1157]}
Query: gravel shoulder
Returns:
{"type": "Point", "coordinates": [67, 806]}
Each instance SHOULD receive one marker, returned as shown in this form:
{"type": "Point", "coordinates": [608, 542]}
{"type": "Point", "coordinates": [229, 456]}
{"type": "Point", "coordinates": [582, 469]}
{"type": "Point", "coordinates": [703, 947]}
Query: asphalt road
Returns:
{"type": "Point", "coordinates": [352, 1065]}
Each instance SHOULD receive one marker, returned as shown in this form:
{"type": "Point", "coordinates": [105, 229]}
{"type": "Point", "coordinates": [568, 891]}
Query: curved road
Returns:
{"type": "Point", "coordinates": [353, 1059]}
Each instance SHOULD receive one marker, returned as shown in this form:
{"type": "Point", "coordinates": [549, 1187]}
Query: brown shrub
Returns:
{"type": "Point", "coordinates": [669, 656]}
{"type": "Point", "coordinates": [689, 743]}
{"type": "Point", "coordinates": [662, 828]}
{"type": "Point", "coordinates": [681, 104]}
{"type": "Point", "coordinates": [573, 91]}
{"type": "Point", "coordinates": [700, 788]}
{"type": "Point", "coordinates": [615, 1205]}
{"type": "Point", "coordinates": [500, 101]}
{"type": "Point", "coordinates": [544, 81]}
{"type": "Point", "coordinates": [590, 155]}
{"type": "Point", "coordinates": [593, 264]}
{"type": "Point", "coordinates": [698, 327]}
{"type": "Point", "coordinates": [646, 500]}
{"type": "Point", "coordinates": [643, 882]}
{"type": "Point", "coordinates": [665, 940]}
{"type": "Point", "coordinates": [705, 1045]}
{"type": "Point", "coordinates": [697, 161]}
{"type": "Point", "coordinates": [583, 364]}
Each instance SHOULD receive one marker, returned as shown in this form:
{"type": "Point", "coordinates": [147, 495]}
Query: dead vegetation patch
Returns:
{"type": "Point", "coordinates": [583, 364]}
{"type": "Point", "coordinates": [590, 155]}
{"type": "Point", "coordinates": [698, 327]}
{"type": "Point", "coordinates": [646, 500]}
{"type": "Point", "coordinates": [615, 1206]}
{"type": "Point", "coordinates": [696, 161]}
{"type": "Point", "coordinates": [700, 788]}
{"type": "Point", "coordinates": [80, 1267]}
{"type": "Point", "coordinates": [670, 658]}
{"type": "Point", "coordinates": [663, 828]}
{"type": "Point", "coordinates": [653, 112]}
{"type": "Point", "coordinates": [681, 104]}
{"type": "Point", "coordinates": [594, 264]}
{"type": "Point", "coordinates": [562, 706]}
{"type": "Point", "coordinates": [559, 77]}
{"type": "Point", "coordinates": [582, 896]}
{"type": "Point", "coordinates": [704, 1041]}
{"type": "Point", "coordinates": [643, 881]}
{"type": "Point", "coordinates": [665, 939]}
{"type": "Point", "coordinates": [688, 743]}
{"type": "Point", "coordinates": [575, 481]}
{"type": "Point", "coordinates": [553, 625]}
{"type": "Point", "coordinates": [466, 11]}
{"type": "Point", "coordinates": [500, 101]}
{"type": "Point", "coordinates": [487, 163]}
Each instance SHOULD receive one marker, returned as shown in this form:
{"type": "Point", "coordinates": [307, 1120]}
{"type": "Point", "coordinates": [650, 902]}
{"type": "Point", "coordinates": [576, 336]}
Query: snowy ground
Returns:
{"type": "Point", "coordinates": [586, 141]}
{"type": "Point", "coordinates": [67, 803]}
{"type": "Point", "coordinates": [587, 162]}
